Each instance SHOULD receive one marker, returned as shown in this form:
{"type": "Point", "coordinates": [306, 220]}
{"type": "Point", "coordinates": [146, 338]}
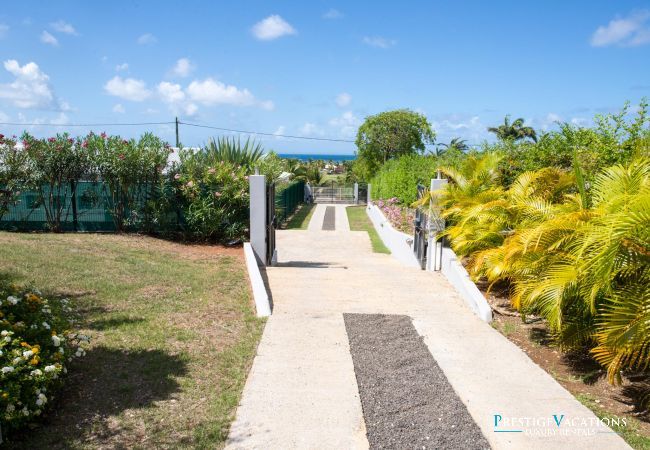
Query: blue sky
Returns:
{"type": "Point", "coordinates": [317, 68]}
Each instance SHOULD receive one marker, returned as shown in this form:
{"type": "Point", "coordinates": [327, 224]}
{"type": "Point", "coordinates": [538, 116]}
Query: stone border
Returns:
{"type": "Point", "coordinates": [262, 304]}
{"type": "Point", "coordinates": [400, 245]}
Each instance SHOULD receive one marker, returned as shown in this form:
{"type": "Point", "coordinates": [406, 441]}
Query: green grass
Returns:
{"type": "Point", "coordinates": [173, 335]}
{"type": "Point", "coordinates": [630, 432]}
{"type": "Point", "coordinates": [300, 219]}
{"type": "Point", "coordinates": [359, 221]}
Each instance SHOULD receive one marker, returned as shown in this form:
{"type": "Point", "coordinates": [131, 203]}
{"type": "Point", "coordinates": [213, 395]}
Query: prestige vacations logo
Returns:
{"type": "Point", "coordinates": [557, 425]}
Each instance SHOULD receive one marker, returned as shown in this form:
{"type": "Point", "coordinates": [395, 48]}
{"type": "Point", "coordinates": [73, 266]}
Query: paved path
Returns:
{"type": "Point", "coordinates": [302, 391]}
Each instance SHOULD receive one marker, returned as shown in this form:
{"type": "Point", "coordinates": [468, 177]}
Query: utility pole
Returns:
{"type": "Point", "coordinates": [178, 144]}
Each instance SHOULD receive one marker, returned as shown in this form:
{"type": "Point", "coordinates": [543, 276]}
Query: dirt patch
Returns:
{"type": "Point", "coordinates": [577, 372]}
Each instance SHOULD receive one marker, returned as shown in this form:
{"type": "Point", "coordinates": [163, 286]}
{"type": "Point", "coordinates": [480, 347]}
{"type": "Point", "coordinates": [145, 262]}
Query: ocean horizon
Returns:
{"type": "Point", "coordinates": [317, 156]}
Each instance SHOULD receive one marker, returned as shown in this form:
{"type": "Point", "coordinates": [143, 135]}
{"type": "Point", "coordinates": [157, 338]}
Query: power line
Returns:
{"type": "Point", "coordinates": [310, 138]}
{"type": "Point", "coordinates": [83, 124]}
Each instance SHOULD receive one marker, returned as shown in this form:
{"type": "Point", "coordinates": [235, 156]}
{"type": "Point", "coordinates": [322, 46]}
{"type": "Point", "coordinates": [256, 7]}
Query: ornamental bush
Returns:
{"type": "Point", "coordinates": [36, 344]}
{"type": "Point", "coordinates": [14, 172]}
{"type": "Point", "coordinates": [400, 177]}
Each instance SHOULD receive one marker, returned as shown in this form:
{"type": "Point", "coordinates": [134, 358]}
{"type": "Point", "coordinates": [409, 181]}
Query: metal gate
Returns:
{"type": "Point", "coordinates": [270, 223]}
{"type": "Point", "coordinates": [421, 237]}
{"type": "Point", "coordinates": [333, 194]}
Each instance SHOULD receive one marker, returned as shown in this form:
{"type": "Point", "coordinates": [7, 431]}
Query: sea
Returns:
{"type": "Point", "coordinates": [316, 156]}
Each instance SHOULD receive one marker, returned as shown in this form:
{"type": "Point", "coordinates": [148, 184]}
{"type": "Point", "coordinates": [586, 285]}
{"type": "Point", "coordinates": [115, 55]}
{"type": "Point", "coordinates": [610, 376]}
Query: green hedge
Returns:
{"type": "Point", "coordinates": [399, 177]}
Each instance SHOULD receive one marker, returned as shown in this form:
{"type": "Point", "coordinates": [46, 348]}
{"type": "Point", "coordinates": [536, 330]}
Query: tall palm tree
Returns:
{"type": "Point", "coordinates": [514, 131]}
{"type": "Point", "coordinates": [457, 143]}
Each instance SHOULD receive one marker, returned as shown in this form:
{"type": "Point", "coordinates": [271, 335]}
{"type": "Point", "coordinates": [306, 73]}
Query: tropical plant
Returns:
{"type": "Point", "coordinates": [246, 154]}
{"type": "Point", "coordinates": [513, 131]}
{"type": "Point", "coordinates": [309, 173]}
{"type": "Point", "coordinates": [456, 143]}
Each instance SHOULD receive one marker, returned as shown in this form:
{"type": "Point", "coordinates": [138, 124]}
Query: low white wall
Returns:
{"type": "Point", "coordinates": [262, 304]}
{"type": "Point", "coordinates": [452, 269]}
{"type": "Point", "coordinates": [399, 244]}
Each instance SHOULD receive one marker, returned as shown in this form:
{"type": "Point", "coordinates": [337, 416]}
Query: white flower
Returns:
{"type": "Point", "coordinates": [80, 352]}
{"type": "Point", "coordinates": [13, 300]}
{"type": "Point", "coordinates": [11, 407]}
{"type": "Point", "coordinates": [50, 368]}
{"type": "Point", "coordinates": [27, 354]}
{"type": "Point", "coordinates": [25, 411]}
{"type": "Point", "coordinates": [5, 333]}
{"type": "Point", "coordinates": [46, 325]}
{"type": "Point", "coordinates": [17, 360]}
{"type": "Point", "coordinates": [61, 350]}
{"type": "Point", "coordinates": [1, 353]}
{"type": "Point", "coordinates": [7, 338]}
{"type": "Point", "coordinates": [56, 341]}
{"type": "Point", "coordinates": [7, 369]}
{"type": "Point", "coordinates": [41, 399]}
{"type": "Point", "coordinates": [36, 373]}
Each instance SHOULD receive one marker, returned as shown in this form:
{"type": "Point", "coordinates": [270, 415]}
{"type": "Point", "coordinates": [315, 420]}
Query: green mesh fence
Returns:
{"type": "Point", "coordinates": [89, 209]}
{"type": "Point", "coordinates": [287, 199]}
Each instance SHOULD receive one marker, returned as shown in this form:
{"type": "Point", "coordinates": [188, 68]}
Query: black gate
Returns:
{"type": "Point", "coordinates": [270, 223]}
{"type": "Point", "coordinates": [421, 238]}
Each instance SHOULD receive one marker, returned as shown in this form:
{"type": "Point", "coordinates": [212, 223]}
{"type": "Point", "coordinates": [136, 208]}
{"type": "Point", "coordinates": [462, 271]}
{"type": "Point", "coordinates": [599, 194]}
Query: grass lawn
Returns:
{"type": "Point", "coordinates": [359, 221]}
{"type": "Point", "coordinates": [300, 219]}
{"type": "Point", "coordinates": [173, 335]}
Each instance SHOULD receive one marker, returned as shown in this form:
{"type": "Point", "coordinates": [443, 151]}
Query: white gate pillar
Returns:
{"type": "Point", "coordinates": [356, 193]}
{"type": "Point", "coordinates": [433, 254]}
{"type": "Point", "coordinates": [257, 185]}
{"type": "Point", "coordinates": [368, 195]}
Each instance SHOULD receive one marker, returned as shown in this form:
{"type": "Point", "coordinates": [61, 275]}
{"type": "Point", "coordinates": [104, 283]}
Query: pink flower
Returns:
{"type": "Point", "coordinates": [246, 178]}
{"type": "Point", "coordinates": [190, 184]}
{"type": "Point", "coordinates": [211, 170]}
{"type": "Point", "coordinates": [177, 176]}
{"type": "Point", "coordinates": [70, 141]}
{"type": "Point", "coordinates": [217, 194]}
{"type": "Point", "coordinates": [103, 135]}
{"type": "Point", "coordinates": [84, 144]}
{"type": "Point", "coordinates": [125, 142]}
{"type": "Point", "coordinates": [121, 156]}
{"type": "Point", "coordinates": [51, 140]}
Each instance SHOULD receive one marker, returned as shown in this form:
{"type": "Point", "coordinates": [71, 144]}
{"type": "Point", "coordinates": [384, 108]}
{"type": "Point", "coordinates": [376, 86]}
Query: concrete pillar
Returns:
{"type": "Point", "coordinates": [368, 193]}
{"type": "Point", "coordinates": [433, 253]}
{"type": "Point", "coordinates": [356, 193]}
{"type": "Point", "coordinates": [257, 185]}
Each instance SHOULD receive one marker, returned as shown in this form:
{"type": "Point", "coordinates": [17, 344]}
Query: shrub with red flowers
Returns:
{"type": "Point", "coordinates": [56, 164]}
{"type": "Point", "coordinates": [14, 172]}
{"type": "Point", "coordinates": [401, 217]}
{"type": "Point", "coordinates": [131, 171]}
{"type": "Point", "coordinates": [215, 197]}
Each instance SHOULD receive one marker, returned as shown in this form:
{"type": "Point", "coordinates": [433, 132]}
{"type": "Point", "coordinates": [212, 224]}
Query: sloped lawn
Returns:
{"type": "Point", "coordinates": [173, 335]}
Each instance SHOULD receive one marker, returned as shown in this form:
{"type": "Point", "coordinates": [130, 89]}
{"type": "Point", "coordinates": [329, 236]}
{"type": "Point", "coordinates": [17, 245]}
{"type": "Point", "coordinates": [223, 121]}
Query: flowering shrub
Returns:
{"type": "Point", "coordinates": [216, 198]}
{"type": "Point", "coordinates": [57, 163]}
{"type": "Point", "coordinates": [399, 216]}
{"type": "Point", "coordinates": [14, 170]}
{"type": "Point", "coordinates": [36, 343]}
{"type": "Point", "coordinates": [131, 171]}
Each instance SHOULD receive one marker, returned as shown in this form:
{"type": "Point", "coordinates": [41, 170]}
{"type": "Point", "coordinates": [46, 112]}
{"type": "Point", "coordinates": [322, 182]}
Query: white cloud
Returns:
{"type": "Point", "coordinates": [629, 31]}
{"type": "Point", "coordinates": [579, 121]}
{"type": "Point", "coordinates": [311, 129]}
{"type": "Point", "coordinates": [343, 99]}
{"type": "Point", "coordinates": [63, 27]}
{"type": "Point", "coordinates": [213, 92]}
{"type": "Point", "coordinates": [127, 88]}
{"type": "Point", "coordinates": [121, 67]}
{"type": "Point", "coordinates": [30, 88]}
{"type": "Point", "coordinates": [4, 30]}
{"type": "Point", "coordinates": [175, 97]}
{"type": "Point", "coordinates": [61, 119]}
{"type": "Point", "coordinates": [333, 14]}
{"type": "Point", "coordinates": [271, 28]}
{"type": "Point", "coordinates": [119, 109]}
{"type": "Point", "coordinates": [451, 126]}
{"type": "Point", "coordinates": [347, 123]}
{"type": "Point", "coordinates": [147, 39]}
{"type": "Point", "coordinates": [47, 38]}
{"type": "Point", "coordinates": [183, 68]}
{"type": "Point", "coordinates": [280, 131]}
{"type": "Point", "coordinates": [378, 41]}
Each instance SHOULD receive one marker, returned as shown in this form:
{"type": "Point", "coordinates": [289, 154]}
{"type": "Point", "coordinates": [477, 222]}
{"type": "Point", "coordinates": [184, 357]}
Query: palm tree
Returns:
{"type": "Point", "coordinates": [514, 131]}
{"type": "Point", "coordinates": [457, 143]}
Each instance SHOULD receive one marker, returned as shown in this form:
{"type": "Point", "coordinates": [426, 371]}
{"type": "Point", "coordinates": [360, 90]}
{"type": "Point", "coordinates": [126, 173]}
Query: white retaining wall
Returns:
{"type": "Point", "coordinates": [262, 304]}
{"type": "Point", "coordinates": [400, 244]}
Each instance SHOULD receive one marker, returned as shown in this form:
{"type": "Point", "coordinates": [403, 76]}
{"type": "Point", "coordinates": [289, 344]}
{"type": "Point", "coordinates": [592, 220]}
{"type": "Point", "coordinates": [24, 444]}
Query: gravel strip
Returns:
{"type": "Point", "coordinates": [329, 223]}
{"type": "Point", "coordinates": [406, 398]}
